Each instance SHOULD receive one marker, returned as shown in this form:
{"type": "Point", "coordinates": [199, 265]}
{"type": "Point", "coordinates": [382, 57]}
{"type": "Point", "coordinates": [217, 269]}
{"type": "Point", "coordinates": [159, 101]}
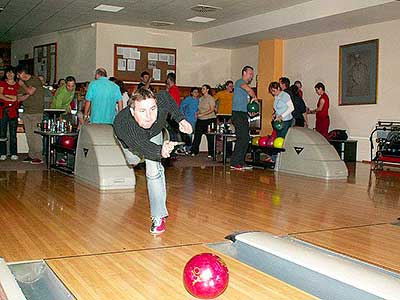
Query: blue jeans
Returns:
{"type": "Point", "coordinates": [286, 125]}
{"type": "Point", "coordinates": [11, 124]}
{"type": "Point", "coordinates": [156, 186]}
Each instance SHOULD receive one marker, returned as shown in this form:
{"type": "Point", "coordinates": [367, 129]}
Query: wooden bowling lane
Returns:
{"type": "Point", "coordinates": [157, 274]}
{"type": "Point", "coordinates": [47, 215]}
{"type": "Point", "coordinates": [376, 244]}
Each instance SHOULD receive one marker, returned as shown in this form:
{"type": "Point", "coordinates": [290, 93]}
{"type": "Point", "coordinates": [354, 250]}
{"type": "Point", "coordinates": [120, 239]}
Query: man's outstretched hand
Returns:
{"type": "Point", "coordinates": [185, 127]}
{"type": "Point", "coordinates": [167, 148]}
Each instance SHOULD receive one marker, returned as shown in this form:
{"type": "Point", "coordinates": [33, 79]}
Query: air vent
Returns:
{"type": "Point", "coordinates": [161, 23]}
{"type": "Point", "coordinates": [201, 8]}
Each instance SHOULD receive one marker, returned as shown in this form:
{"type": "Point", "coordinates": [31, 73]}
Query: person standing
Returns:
{"type": "Point", "coordinates": [9, 114]}
{"type": "Point", "coordinates": [283, 108]}
{"type": "Point", "coordinates": [64, 95]}
{"type": "Point", "coordinates": [189, 107]}
{"type": "Point", "coordinates": [300, 110]}
{"type": "Point", "coordinates": [173, 89]}
{"type": "Point", "coordinates": [139, 127]}
{"type": "Point", "coordinates": [322, 121]}
{"type": "Point", "coordinates": [101, 97]}
{"type": "Point", "coordinates": [31, 93]}
{"type": "Point", "coordinates": [223, 100]}
{"type": "Point", "coordinates": [206, 119]}
{"type": "Point", "coordinates": [242, 94]}
{"type": "Point", "coordinates": [145, 81]}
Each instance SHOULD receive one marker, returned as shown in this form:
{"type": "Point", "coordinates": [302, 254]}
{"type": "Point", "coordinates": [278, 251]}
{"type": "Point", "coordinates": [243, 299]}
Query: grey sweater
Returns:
{"type": "Point", "coordinates": [136, 138]}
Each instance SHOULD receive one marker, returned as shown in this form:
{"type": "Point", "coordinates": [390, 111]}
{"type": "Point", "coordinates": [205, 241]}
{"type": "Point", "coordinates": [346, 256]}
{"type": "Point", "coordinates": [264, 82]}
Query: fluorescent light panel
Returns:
{"type": "Point", "coordinates": [109, 8]}
{"type": "Point", "coordinates": [200, 19]}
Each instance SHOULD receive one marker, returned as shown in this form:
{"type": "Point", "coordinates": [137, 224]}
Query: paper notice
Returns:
{"type": "Point", "coordinates": [121, 64]}
{"type": "Point", "coordinates": [171, 60]}
{"type": "Point", "coordinates": [157, 74]}
{"type": "Point", "coordinates": [152, 56]}
{"type": "Point", "coordinates": [163, 57]}
{"type": "Point", "coordinates": [120, 51]}
{"type": "Point", "coordinates": [131, 65]}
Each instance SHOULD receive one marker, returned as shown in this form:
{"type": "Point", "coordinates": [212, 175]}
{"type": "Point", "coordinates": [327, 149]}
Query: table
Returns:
{"type": "Point", "coordinates": [225, 137]}
{"type": "Point", "coordinates": [50, 138]}
{"type": "Point", "coordinates": [347, 149]}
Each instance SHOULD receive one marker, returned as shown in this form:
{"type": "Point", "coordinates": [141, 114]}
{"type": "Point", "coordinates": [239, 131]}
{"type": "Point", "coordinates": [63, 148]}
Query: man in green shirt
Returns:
{"type": "Point", "coordinates": [31, 93]}
{"type": "Point", "coordinates": [64, 95]}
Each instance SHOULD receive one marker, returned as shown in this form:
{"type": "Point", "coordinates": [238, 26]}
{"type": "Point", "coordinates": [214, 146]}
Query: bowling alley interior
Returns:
{"type": "Point", "coordinates": [274, 134]}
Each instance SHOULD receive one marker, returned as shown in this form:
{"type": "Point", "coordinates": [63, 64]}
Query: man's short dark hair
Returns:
{"type": "Point", "coordinates": [228, 82]}
{"type": "Point", "coordinates": [70, 78]}
{"type": "Point", "coordinates": [246, 68]}
{"type": "Point", "coordinates": [140, 95]}
{"type": "Point", "coordinates": [320, 85]}
{"type": "Point", "coordinates": [194, 89]}
{"type": "Point", "coordinates": [101, 72]}
{"type": "Point", "coordinates": [21, 69]}
{"type": "Point", "coordinates": [285, 81]}
{"type": "Point", "coordinates": [144, 73]}
{"type": "Point", "coordinates": [171, 76]}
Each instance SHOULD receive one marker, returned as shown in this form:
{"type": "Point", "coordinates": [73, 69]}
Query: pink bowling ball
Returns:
{"type": "Point", "coordinates": [205, 276]}
{"type": "Point", "coordinates": [270, 141]}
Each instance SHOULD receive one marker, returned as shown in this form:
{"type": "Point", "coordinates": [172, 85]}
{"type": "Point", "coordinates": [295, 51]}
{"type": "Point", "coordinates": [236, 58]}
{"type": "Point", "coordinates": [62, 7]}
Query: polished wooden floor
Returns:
{"type": "Point", "coordinates": [94, 240]}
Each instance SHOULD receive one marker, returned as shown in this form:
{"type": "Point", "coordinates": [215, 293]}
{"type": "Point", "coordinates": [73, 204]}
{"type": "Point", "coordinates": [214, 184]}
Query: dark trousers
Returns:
{"type": "Point", "coordinates": [12, 124]}
{"type": "Point", "coordinates": [286, 125]}
{"type": "Point", "coordinates": [200, 129]}
{"type": "Point", "coordinates": [241, 122]}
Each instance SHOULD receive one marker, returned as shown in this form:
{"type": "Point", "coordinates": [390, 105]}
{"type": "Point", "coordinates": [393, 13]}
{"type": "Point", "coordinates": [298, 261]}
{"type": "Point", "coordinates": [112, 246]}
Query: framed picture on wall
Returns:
{"type": "Point", "coordinates": [358, 73]}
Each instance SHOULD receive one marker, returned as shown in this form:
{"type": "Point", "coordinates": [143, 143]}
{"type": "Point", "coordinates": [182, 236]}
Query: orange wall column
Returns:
{"type": "Point", "coordinates": [270, 68]}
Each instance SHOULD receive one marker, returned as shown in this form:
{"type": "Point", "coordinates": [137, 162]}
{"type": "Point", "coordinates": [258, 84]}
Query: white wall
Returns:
{"type": "Point", "coordinates": [242, 57]}
{"type": "Point", "coordinates": [195, 65]}
{"type": "Point", "coordinates": [316, 58]}
{"type": "Point", "coordinates": [76, 50]}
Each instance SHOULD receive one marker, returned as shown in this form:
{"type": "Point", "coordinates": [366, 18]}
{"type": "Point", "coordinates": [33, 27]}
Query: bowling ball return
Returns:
{"type": "Point", "coordinates": [257, 154]}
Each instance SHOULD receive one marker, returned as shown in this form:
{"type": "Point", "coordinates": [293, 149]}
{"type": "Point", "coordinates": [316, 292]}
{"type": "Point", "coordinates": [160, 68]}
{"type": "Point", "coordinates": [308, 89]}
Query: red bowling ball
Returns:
{"type": "Point", "coordinates": [262, 142]}
{"type": "Point", "coordinates": [205, 276]}
{"type": "Point", "coordinates": [67, 142]}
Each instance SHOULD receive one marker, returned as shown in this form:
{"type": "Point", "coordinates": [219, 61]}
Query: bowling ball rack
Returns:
{"type": "Point", "coordinates": [256, 154]}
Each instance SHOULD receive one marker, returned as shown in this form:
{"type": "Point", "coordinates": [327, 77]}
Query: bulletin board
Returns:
{"type": "Point", "coordinates": [130, 61]}
{"type": "Point", "coordinates": [45, 62]}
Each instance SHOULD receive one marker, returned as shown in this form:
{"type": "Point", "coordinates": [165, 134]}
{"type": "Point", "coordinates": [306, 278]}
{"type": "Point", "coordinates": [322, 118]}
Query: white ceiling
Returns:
{"type": "Point", "coordinates": [25, 18]}
{"type": "Point", "coordinates": [239, 23]}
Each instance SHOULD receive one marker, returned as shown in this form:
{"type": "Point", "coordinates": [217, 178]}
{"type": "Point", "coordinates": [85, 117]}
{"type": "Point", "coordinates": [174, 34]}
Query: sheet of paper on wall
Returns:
{"type": "Point", "coordinates": [135, 53]}
{"type": "Point", "coordinates": [126, 53]}
{"type": "Point", "coordinates": [163, 57]}
{"type": "Point", "coordinates": [151, 64]}
{"type": "Point", "coordinates": [121, 64]}
{"type": "Point", "coordinates": [36, 53]}
{"type": "Point", "coordinates": [52, 48]}
{"type": "Point", "coordinates": [171, 60]}
{"type": "Point", "coordinates": [131, 66]}
{"type": "Point", "coordinates": [120, 51]}
{"type": "Point", "coordinates": [157, 74]}
{"type": "Point", "coordinates": [44, 51]}
{"type": "Point", "coordinates": [152, 56]}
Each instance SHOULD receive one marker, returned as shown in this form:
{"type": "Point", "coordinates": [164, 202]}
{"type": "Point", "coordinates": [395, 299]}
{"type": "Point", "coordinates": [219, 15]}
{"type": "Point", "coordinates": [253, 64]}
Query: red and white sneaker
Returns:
{"type": "Point", "coordinates": [157, 225]}
{"type": "Point", "coordinates": [36, 161]}
{"type": "Point", "coordinates": [61, 162]}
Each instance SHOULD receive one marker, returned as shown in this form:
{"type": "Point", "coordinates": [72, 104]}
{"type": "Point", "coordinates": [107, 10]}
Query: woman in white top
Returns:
{"type": "Point", "coordinates": [206, 119]}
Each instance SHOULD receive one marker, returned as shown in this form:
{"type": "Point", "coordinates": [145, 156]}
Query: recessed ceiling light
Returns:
{"type": "Point", "coordinates": [109, 8]}
{"type": "Point", "coordinates": [160, 23]}
{"type": "Point", "coordinates": [200, 19]}
{"type": "Point", "coordinates": [202, 8]}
